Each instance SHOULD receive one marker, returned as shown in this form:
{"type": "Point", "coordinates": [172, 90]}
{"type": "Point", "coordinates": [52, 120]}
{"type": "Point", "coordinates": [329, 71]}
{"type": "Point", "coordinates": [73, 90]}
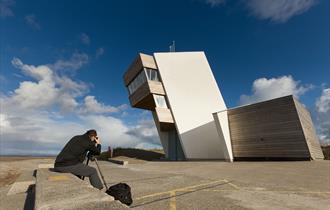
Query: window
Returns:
{"type": "Point", "coordinates": [160, 101]}
{"type": "Point", "coordinates": [152, 74]}
{"type": "Point", "coordinates": [137, 82]}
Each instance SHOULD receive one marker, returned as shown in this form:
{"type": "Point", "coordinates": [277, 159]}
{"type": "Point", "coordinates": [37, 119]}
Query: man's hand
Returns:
{"type": "Point", "coordinates": [97, 140]}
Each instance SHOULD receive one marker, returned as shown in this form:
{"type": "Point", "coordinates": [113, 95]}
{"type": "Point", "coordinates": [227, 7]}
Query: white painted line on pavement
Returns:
{"type": "Point", "coordinates": [20, 187]}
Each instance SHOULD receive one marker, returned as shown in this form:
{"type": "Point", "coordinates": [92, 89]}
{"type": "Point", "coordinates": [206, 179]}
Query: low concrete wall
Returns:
{"type": "Point", "coordinates": [55, 191]}
{"type": "Point", "coordinates": [120, 162]}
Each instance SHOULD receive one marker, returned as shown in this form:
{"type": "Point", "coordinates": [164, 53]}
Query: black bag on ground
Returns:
{"type": "Point", "coordinates": [121, 192]}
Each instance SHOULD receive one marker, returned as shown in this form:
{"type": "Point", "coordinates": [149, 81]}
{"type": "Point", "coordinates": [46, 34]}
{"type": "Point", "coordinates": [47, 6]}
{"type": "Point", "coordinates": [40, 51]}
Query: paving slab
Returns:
{"type": "Point", "coordinates": [65, 191]}
{"type": "Point", "coordinates": [298, 185]}
{"type": "Point", "coordinates": [301, 185]}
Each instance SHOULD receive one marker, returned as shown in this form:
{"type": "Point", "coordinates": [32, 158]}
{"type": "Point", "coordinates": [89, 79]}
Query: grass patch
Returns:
{"type": "Point", "coordinates": [142, 154]}
{"type": "Point", "coordinates": [326, 152]}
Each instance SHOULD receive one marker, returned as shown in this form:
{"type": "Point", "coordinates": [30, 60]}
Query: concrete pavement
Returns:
{"type": "Point", "coordinates": [221, 185]}
{"type": "Point", "coordinates": [214, 185]}
{"type": "Point", "coordinates": [55, 191]}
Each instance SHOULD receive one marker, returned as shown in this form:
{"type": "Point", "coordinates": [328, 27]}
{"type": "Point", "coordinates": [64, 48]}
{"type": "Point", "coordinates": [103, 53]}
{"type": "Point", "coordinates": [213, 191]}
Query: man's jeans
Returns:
{"type": "Point", "coordinates": [81, 169]}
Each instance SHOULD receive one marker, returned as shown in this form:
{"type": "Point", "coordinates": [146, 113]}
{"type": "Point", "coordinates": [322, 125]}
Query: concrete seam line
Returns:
{"type": "Point", "coordinates": [180, 189]}
{"type": "Point", "coordinates": [233, 185]}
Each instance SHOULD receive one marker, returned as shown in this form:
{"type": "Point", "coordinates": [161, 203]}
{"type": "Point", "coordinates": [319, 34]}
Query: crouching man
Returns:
{"type": "Point", "coordinates": [72, 156]}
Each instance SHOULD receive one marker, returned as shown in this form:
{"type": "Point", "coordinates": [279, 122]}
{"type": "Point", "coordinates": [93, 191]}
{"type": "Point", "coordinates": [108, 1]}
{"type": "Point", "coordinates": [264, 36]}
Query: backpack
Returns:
{"type": "Point", "coordinates": [121, 192]}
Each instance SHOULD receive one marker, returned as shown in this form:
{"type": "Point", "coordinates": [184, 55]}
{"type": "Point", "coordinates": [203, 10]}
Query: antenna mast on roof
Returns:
{"type": "Point", "coordinates": [172, 47]}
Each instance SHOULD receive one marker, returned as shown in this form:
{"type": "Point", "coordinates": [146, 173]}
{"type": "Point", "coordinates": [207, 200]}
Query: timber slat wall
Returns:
{"type": "Point", "coordinates": [309, 131]}
{"type": "Point", "coordinates": [165, 119]}
{"type": "Point", "coordinates": [270, 129]}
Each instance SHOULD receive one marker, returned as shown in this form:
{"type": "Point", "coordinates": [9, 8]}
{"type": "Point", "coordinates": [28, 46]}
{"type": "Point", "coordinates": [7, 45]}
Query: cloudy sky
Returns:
{"type": "Point", "coordinates": [62, 62]}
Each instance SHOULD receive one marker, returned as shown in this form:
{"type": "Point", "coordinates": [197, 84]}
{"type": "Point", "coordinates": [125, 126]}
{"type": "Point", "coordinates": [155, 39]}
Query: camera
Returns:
{"type": "Point", "coordinates": [90, 156]}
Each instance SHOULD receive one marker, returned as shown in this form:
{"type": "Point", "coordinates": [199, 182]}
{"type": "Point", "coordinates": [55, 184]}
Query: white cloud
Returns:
{"type": "Point", "coordinates": [48, 90]}
{"type": "Point", "coordinates": [91, 105]}
{"type": "Point", "coordinates": [116, 133]}
{"type": "Point", "coordinates": [32, 21]}
{"type": "Point", "coordinates": [278, 10]}
{"type": "Point", "coordinates": [145, 129]}
{"type": "Point", "coordinates": [39, 73]}
{"type": "Point", "coordinates": [5, 8]}
{"type": "Point", "coordinates": [323, 116]}
{"type": "Point", "coordinates": [27, 131]}
{"type": "Point", "coordinates": [265, 89]}
{"type": "Point", "coordinates": [76, 61]}
{"type": "Point", "coordinates": [145, 145]}
{"type": "Point", "coordinates": [41, 115]}
{"type": "Point", "coordinates": [275, 10]}
{"type": "Point", "coordinates": [100, 51]}
{"type": "Point", "coordinates": [84, 38]}
{"type": "Point", "coordinates": [323, 103]}
{"type": "Point", "coordinates": [4, 122]}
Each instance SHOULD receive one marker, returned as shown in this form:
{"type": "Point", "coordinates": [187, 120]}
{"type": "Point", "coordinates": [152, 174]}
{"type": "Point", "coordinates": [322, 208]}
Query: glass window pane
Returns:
{"type": "Point", "coordinates": [137, 82]}
{"type": "Point", "coordinates": [143, 76]}
{"type": "Point", "coordinates": [160, 101]}
{"type": "Point", "coordinates": [156, 76]}
{"type": "Point", "coordinates": [152, 75]}
{"type": "Point", "coordinates": [130, 88]}
{"type": "Point", "coordinates": [145, 73]}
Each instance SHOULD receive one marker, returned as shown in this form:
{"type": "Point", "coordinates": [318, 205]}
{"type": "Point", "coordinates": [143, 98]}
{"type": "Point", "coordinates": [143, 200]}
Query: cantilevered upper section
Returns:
{"type": "Point", "coordinates": [142, 81]}
{"type": "Point", "coordinates": [140, 62]}
{"type": "Point", "coordinates": [146, 91]}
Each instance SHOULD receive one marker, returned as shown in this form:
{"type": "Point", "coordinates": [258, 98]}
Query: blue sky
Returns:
{"type": "Point", "coordinates": [62, 62]}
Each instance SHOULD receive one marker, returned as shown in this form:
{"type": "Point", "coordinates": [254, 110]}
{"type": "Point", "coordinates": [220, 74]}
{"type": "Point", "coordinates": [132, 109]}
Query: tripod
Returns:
{"type": "Point", "coordinates": [121, 191]}
{"type": "Point", "coordinates": [93, 158]}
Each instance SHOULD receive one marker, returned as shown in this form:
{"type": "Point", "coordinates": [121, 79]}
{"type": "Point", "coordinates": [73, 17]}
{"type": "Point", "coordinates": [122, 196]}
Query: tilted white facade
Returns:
{"type": "Point", "coordinates": [193, 95]}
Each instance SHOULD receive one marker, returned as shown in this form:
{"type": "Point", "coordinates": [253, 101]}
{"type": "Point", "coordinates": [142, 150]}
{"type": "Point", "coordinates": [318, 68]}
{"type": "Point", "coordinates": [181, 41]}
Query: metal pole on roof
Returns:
{"type": "Point", "coordinates": [172, 47]}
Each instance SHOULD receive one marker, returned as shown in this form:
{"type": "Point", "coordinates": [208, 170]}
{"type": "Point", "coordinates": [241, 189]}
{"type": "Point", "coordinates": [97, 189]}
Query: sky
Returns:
{"type": "Point", "coordinates": [62, 62]}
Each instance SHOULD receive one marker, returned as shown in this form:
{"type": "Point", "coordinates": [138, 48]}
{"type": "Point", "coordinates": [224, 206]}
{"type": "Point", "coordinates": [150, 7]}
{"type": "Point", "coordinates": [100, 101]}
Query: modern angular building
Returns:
{"type": "Point", "coordinates": [194, 123]}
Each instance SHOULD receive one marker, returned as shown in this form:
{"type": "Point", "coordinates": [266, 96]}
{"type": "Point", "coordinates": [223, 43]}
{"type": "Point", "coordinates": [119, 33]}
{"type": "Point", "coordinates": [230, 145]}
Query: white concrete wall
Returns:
{"type": "Point", "coordinates": [193, 96]}
{"type": "Point", "coordinates": [222, 124]}
{"type": "Point", "coordinates": [163, 136]}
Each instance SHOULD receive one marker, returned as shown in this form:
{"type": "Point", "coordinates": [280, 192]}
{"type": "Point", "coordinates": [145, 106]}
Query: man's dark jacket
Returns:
{"type": "Point", "coordinates": [75, 151]}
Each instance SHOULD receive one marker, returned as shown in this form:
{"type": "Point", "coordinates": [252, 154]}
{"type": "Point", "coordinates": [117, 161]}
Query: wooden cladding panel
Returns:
{"type": "Point", "coordinates": [165, 119]}
{"type": "Point", "coordinates": [164, 115]}
{"type": "Point", "coordinates": [139, 94]}
{"type": "Point", "coordinates": [147, 103]}
{"type": "Point", "coordinates": [156, 87]}
{"type": "Point", "coordinates": [309, 131]}
{"type": "Point", "coordinates": [264, 105]}
{"type": "Point", "coordinates": [148, 61]}
{"type": "Point", "coordinates": [133, 70]}
{"type": "Point", "coordinates": [267, 129]}
{"type": "Point", "coordinates": [141, 61]}
{"type": "Point", "coordinates": [142, 97]}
